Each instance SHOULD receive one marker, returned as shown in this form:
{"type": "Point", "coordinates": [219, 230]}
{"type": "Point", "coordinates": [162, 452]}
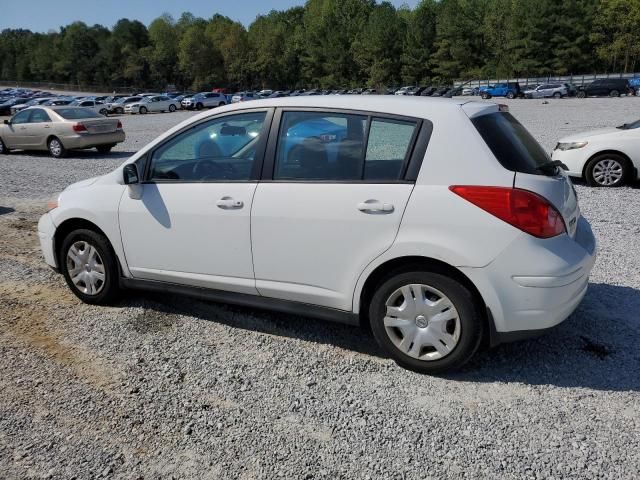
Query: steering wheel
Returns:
{"type": "Point", "coordinates": [205, 169]}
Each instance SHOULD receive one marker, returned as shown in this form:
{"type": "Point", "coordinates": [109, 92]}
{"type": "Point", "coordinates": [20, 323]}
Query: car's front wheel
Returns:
{"type": "Point", "coordinates": [104, 112]}
{"type": "Point", "coordinates": [56, 149]}
{"type": "Point", "coordinates": [607, 170]}
{"type": "Point", "coordinates": [510, 96]}
{"type": "Point", "coordinates": [614, 93]}
{"type": "Point", "coordinates": [120, 110]}
{"type": "Point", "coordinates": [3, 148]}
{"type": "Point", "coordinates": [557, 95]}
{"type": "Point", "coordinates": [199, 106]}
{"type": "Point", "coordinates": [143, 110]}
{"type": "Point", "coordinates": [581, 94]}
{"type": "Point", "coordinates": [89, 266]}
{"type": "Point", "coordinates": [172, 108]}
{"type": "Point", "coordinates": [426, 321]}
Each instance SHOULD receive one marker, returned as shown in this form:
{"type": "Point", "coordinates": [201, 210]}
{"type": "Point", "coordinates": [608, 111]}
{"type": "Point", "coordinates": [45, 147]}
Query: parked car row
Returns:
{"type": "Point", "coordinates": [608, 87]}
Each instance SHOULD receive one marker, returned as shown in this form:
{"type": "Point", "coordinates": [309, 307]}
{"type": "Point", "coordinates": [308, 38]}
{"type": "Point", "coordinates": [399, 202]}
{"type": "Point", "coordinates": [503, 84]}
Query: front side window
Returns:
{"type": "Point", "coordinates": [21, 117]}
{"type": "Point", "coordinates": [336, 146]}
{"type": "Point", "coordinates": [222, 149]}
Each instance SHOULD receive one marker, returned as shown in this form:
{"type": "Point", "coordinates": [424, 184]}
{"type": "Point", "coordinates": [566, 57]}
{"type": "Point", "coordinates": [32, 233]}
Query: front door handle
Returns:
{"type": "Point", "coordinates": [374, 206]}
{"type": "Point", "coordinates": [228, 203]}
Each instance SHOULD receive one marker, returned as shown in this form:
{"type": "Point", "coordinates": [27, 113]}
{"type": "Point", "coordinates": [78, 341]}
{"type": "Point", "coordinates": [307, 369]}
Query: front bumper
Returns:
{"type": "Point", "coordinates": [536, 284]}
{"type": "Point", "coordinates": [89, 140]}
{"type": "Point", "coordinates": [46, 232]}
{"type": "Point", "coordinates": [575, 159]}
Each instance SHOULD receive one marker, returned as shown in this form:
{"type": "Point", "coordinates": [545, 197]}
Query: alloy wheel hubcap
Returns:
{"type": "Point", "coordinates": [86, 268]}
{"type": "Point", "coordinates": [607, 172]}
{"type": "Point", "coordinates": [55, 147]}
{"type": "Point", "coordinates": [422, 322]}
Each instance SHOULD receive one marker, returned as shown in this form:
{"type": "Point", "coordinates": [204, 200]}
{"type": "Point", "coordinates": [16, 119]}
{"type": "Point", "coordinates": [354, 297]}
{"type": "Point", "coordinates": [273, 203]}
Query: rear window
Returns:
{"type": "Point", "coordinates": [77, 113]}
{"type": "Point", "coordinates": [511, 143]}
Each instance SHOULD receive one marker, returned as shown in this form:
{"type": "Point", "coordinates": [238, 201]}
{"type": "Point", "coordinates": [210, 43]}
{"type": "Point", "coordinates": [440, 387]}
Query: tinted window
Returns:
{"type": "Point", "coordinates": [511, 143]}
{"type": "Point", "coordinates": [77, 113]}
{"type": "Point", "coordinates": [39, 115]}
{"type": "Point", "coordinates": [387, 147]}
{"type": "Point", "coordinates": [221, 149]}
{"type": "Point", "coordinates": [320, 146]}
{"type": "Point", "coordinates": [21, 117]}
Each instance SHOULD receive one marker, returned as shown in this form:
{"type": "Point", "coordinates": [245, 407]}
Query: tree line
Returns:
{"type": "Point", "coordinates": [336, 43]}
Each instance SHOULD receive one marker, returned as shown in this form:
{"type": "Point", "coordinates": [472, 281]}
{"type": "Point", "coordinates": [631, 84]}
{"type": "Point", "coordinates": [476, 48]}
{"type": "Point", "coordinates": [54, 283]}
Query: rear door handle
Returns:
{"type": "Point", "coordinates": [228, 203]}
{"type": "Point", "coordinates": [374, 206]}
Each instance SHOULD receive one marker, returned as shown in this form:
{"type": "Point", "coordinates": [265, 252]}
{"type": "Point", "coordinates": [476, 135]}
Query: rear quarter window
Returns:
{"type": "Point", "coordinates": [512, 145]}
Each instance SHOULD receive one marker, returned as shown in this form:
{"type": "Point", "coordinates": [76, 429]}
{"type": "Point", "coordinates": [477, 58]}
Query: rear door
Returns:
{"type": "Point", "coordinates": [330, 201]}
{"type": "Point", "coordinates": [516, 150]}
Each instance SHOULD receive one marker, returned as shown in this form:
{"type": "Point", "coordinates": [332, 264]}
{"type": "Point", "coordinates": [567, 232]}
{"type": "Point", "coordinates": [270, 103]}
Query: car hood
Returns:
{"type": "Point", "coordinates": [82, 183]}
{"type": "Point", "coordinates": [578, 137]}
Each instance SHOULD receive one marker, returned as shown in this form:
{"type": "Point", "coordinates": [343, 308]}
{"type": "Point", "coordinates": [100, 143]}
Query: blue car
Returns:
{"type": "Point", "coordinates": [508, 90]}
{"type": "Point", "coordinates": [635, 84]}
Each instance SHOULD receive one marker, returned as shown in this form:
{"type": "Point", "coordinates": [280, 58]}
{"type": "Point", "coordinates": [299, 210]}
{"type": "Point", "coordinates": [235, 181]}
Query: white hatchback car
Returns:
{"type": "Point", "coordinates": [604, 158]}
{"type": "Point", "coordinates": [439, 223]}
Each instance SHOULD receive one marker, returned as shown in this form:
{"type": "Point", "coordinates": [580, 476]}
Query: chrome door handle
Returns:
{"type": "Point", "coordinates": [374, 206]}
{"type": "Point", "coordinates": [227, 203]}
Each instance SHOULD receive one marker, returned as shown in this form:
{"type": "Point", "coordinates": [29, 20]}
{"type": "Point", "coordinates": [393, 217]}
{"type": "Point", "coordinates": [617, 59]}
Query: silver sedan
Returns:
{"type": "Point", "coordinates": [59, 129]}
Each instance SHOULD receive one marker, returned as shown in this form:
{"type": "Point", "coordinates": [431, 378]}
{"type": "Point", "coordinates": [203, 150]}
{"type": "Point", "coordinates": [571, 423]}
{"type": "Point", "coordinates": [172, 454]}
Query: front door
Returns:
{"type": "Point", "coordinates": [332, 203]}
{"type": "Point", "coordinates": [191, 223]}
{"type": "Point", "coordinates": [18, 136]}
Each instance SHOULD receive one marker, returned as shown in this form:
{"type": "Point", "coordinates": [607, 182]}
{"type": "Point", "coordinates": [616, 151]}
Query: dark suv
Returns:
{"type": "Point", "coordinates": [606, 87]}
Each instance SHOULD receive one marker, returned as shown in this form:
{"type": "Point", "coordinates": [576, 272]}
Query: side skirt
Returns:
{"type": "Point", "coordinates": [242, 299]}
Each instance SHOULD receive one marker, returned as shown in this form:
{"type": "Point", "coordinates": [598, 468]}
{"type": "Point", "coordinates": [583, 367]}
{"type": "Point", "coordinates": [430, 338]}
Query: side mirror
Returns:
{"type": "Point", "coordinates": [7, 122]}
{"type": "Point", "coordinates": [130, 174]}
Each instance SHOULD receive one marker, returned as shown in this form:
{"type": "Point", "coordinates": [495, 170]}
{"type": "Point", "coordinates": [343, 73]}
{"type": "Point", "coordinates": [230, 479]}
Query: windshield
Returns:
{"type": "Point", "coordinates": [77, 113]}
{"type": "Point", "coordinates": [513, 146]}
{"type": "Point", "coordinates": [630, 126]}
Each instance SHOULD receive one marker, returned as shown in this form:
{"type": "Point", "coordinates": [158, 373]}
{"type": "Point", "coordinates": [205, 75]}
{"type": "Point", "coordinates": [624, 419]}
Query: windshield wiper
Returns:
{"type": "Point", "coordinates": [551, 166]}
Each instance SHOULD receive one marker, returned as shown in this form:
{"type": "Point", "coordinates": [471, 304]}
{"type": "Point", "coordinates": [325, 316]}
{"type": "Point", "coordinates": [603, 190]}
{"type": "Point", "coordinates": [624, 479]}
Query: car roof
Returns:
{"type": "Point", "coordinates": [420, 107]}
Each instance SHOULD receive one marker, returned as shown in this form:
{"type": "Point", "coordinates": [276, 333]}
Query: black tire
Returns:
{"type": "Point", "coordinates": [104, 148]}
{"type": "Point", "coordinates": [104, 112]}
{"type": "Point", "coordinates": [109, 289]}
{"type": "Point", "coordinates": [485, 96]}
{"type": "Point", "coordinates": [469, 313]}
{"type": "Point", "coordinates": [510, 96]}
{"type": "Point", "coordinates": [557, 95]}
{"type": "Point", "coordinates": [143, 110]}
{"type": "Point", "coordinates": [172, 108]}
{"type": "Point", "coordinates": [120, 110]}
{"type": "Point", "coordinates": [614, 93]}
{"type": "Point", "coordinates": [581, 94]}
{"type": "Point", "coordinates": [199, 106]}
{"type": "Point", "coordinates": [594, 180]}
{"type": "Point", "coordinates": [221, 104]}
{"type": "Point", "coordinates": [3, 148]}
{"type": "Point", "coordinates": [56, 148]}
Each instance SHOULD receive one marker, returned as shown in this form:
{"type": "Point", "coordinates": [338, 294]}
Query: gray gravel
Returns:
{"type": "Point", "coordinates": [169, 387]}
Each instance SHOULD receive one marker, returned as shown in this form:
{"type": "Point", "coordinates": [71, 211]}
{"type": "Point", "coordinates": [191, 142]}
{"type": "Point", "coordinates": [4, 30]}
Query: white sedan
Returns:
{"type": "Point", "coordinates": [157, 103]}
{"type": "Point", "coordinates": [604, 158]}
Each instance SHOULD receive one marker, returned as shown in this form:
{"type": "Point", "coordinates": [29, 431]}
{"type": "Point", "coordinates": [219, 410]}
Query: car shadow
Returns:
{"type": "Point", "coordinates": [595, 348]}
{"type": "Point", "coordinates": [5, 210]}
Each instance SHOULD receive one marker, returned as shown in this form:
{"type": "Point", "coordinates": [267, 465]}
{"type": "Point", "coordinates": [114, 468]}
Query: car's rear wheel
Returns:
{"type": "Point", "coordinates": [581, 94]}
{"type": "Point", "coordinates": [221, 104]}
{"type": "Point", "coordinates": [510, 96]}
{"type": "Point", "coordinates": [426, 321]}
{"type": "Point", "coordinates": [485, 96]}
{"type": "Point", "coordinates": [120, 110]}
{"type": "Point", "coordinates": [557, 95]}
{"type": "Point", "coordinates": [607, 170]}
{"type": "Point", "coordinates": [104, 112]}
{"type": "Point", "coordinates": [89, 266]}
{"type": "Point", "coordinates": [143, 110]}
{"type": "Point", "coordinates": [104, 148]}
{"type": "Point", "coordinates": [3, 148]}
{"type": "Point", "coordinates": [172, 108]}
{"type": "Point", "coordinates": [614, 93]}
{"type": "Point", "coordinates": [56, 149]}
{"type": "Point", "coordinates": [199, 106]}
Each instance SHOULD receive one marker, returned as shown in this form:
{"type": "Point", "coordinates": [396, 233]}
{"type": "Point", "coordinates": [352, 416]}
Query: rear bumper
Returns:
{"type": "Point", "coordinates": [536, 284]}
{"type": "Point", "coordinates": [92, 139]}
{"type": "Point", "coordinates": [46, 232]}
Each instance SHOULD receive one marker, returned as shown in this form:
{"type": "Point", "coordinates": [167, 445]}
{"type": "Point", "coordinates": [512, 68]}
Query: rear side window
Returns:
{"type": "Point", "coordinates": [511, 143]}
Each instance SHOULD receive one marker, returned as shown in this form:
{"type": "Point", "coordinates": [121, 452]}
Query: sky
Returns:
{"type": "Point", "coordinates": [45, 15]}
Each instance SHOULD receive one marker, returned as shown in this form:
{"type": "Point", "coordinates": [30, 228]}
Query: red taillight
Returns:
{"type": "Point", "coordinates": [119, 127]}
{"type": "Point", "coordinates": [78, 127]}
{"type": "Point", "coordinates": [523, 209]}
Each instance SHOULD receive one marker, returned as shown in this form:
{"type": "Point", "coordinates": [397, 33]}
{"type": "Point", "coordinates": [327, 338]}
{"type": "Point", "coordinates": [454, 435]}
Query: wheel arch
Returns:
{"type": "Point", "coordinates": [412, 263]}
{"type": "Point", "coordinates": [609, 151]}
{"type": "Point", "coordinates": [75, 223]}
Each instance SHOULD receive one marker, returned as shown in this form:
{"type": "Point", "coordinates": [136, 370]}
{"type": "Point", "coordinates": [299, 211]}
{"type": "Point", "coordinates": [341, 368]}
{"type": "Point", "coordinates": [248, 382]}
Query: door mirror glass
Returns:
{"type": "Point", "coordinates": [7, 122]}
{"type": "Point", "coordinates": [130, 174]}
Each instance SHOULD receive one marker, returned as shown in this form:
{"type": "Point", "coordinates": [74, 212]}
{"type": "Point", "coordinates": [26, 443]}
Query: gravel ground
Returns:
{"type": "Point", "coordinates": [169, 387]}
